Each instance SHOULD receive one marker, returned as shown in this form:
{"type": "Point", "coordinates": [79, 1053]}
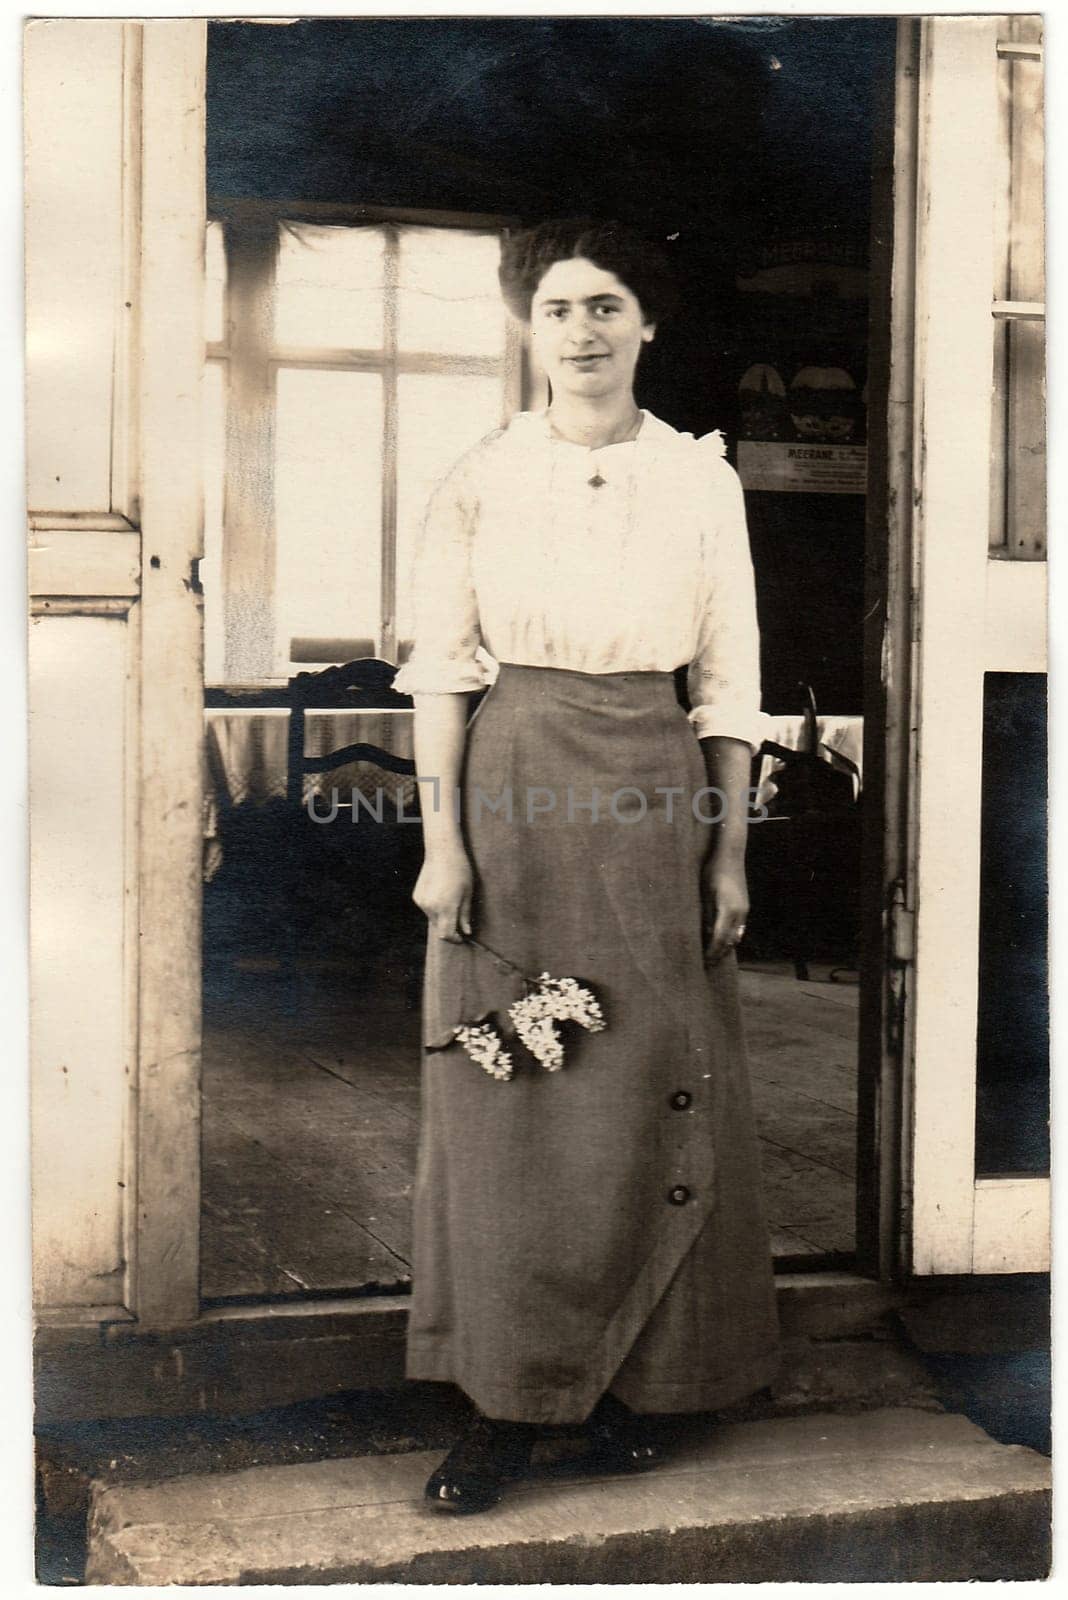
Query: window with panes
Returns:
{"type": "Point", "coordinates": [348, 366]}
{"type": "Point", "coordinates": [1018, 477]}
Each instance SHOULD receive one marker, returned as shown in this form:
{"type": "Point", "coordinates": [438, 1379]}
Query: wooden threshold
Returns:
{"type": "Point", "coordinates": [239, 1359]}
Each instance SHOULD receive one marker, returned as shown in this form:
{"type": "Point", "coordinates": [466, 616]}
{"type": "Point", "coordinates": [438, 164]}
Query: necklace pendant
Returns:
{"type": "Point", "coordinates": [596, 482]}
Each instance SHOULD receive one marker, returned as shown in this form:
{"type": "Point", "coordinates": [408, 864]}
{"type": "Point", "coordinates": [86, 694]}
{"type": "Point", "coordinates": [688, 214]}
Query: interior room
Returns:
{"type": "Point", "coordinates": [360, 174]}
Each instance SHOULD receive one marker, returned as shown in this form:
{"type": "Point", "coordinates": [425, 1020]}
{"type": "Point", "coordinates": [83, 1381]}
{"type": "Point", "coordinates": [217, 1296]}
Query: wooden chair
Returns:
{"type": "Point", "coordinates": [288, 876]}
{"type": "Point", "coordinates": [365, 685]}
{"type": "Point", "coordinates": [358, 869]}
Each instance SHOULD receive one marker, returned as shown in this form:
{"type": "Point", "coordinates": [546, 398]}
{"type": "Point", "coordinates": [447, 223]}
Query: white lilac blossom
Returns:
{"type": "Point", "coordinates": [483, 1045]}
{"type": "Point", "coordinates": [540, 1037]}
{"type": "Point", "coordinates": [547, 1002]}
{"type": "Point", "coordinates": [553, 1000]}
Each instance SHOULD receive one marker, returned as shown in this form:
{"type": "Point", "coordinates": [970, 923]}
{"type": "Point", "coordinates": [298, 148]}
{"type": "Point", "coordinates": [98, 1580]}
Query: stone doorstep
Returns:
{"type": "Point", "coordinates": [892, 1494]}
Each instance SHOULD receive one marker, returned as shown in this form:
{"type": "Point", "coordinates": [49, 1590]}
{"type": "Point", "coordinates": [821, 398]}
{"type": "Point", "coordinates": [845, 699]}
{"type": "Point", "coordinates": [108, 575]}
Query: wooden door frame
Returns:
{"type": "Point", "coordinates": [888, 602]}
{"type": "Point", "coordinates": [969, 613]}
{"type": "Point", "coordinates": [168, 1255]}
{"type": "Point", "coordinates": [168, 84]}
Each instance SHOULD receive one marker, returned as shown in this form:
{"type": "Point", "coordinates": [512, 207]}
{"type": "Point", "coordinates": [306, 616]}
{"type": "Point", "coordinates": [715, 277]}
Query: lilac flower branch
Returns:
{"type": "Point", "coordinates": [546, 1002]}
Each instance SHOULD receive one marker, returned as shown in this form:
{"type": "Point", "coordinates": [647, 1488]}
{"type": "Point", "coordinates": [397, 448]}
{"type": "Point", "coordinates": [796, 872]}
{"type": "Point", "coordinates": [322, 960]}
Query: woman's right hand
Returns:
{"type": "Point", "coordinates": [443, 893]}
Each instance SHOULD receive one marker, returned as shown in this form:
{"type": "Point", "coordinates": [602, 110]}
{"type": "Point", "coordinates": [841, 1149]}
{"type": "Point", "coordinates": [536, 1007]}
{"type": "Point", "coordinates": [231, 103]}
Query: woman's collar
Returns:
{"type": "Point", "coordinates": [651, 426]}
{"type": "Point", "coordinates": [654, 435]}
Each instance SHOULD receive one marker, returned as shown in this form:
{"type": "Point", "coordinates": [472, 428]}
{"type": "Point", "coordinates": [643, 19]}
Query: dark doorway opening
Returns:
{"type": "Point", "coordinates": [746, 148]}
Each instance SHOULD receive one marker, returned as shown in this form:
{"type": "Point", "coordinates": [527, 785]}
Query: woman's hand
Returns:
{"type": "Point", "coordinates": [728, 762]}
{"type": "Point", "coordinates": [726, 906]}
{"type": "Point", "coordinates": [443, 893]}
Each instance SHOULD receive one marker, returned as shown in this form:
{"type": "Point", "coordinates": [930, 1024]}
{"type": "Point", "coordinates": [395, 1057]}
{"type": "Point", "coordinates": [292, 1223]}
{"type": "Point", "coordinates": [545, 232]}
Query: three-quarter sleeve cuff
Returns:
{"type": "Point", "coordinates": [439, 675]}
{"type": "Point", "coordinates": [724, 721]}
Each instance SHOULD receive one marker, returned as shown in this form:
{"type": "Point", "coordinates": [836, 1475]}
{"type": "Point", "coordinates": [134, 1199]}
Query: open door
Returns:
{"type": "Point", "coordinates": [970, 925]}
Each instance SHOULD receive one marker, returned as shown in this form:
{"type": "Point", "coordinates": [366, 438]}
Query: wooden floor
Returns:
{"type": "Point", "coordinates": [310, 1125]}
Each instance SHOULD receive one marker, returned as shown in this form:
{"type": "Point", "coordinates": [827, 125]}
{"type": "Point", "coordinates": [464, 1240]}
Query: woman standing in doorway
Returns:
{"type": "Point", "coordinates": [590, 1244]}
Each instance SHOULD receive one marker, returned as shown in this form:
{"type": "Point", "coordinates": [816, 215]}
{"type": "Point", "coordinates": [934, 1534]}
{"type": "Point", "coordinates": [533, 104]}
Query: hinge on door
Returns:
{"type": "Point", "coordinates": [902, 926]}
{"type": "Point", "coordinates": [901, 952]}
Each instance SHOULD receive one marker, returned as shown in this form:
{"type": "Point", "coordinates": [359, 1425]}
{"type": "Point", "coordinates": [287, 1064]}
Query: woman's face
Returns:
{"type": "Point", "coordinates": [587, 329]}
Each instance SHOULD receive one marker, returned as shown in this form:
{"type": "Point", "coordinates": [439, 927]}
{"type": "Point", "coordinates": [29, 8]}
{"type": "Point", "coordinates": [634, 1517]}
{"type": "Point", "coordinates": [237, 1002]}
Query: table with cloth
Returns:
{"type": "Point", "coordinates": [246, 750]}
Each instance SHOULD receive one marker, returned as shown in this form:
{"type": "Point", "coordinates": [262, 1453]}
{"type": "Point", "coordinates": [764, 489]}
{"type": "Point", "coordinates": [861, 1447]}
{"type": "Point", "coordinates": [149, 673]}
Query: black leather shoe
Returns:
{"type": "Point", "coordinates": [621, 1439]}
{"type": "Point", "coordinates": [489, 1455]}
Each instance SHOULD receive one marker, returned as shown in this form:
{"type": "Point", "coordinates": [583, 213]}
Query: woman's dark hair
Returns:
{"type": "Point", "coordinates": [527, 256]}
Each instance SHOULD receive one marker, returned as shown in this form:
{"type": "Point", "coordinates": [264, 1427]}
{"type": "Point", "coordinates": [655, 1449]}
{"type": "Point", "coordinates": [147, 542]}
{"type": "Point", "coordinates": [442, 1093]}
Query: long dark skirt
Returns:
{"type": "Point", "coordinates": [599, 1227]}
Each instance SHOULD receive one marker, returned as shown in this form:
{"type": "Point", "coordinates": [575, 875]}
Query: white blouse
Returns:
{"type": "Point", "coordinates": [522, 559]}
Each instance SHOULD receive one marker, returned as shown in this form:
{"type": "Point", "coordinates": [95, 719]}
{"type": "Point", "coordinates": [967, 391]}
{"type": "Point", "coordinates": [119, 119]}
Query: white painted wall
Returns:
{"type": "Point", "coordinates": [78, 992]}
{"type": "Point", "coordinates": [84, 578]}
{"type": "Point", "coordinates": [74, 251]}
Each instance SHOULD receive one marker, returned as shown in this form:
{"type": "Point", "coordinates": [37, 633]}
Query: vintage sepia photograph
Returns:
{"type": "Point", "coordinates": [537, 628]}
